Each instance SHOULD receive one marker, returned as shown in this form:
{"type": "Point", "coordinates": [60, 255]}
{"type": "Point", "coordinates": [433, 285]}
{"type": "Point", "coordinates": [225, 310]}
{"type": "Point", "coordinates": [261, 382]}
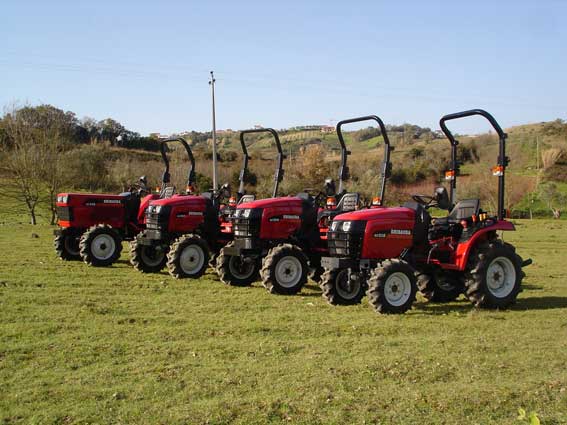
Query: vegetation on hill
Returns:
{"type": "Point", "coordinates": [45, 150]}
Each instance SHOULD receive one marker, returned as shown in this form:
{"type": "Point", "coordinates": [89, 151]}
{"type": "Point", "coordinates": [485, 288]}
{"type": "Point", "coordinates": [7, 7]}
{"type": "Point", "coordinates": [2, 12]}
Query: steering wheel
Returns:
{"type": "Point", "coordinates": [425, 200]}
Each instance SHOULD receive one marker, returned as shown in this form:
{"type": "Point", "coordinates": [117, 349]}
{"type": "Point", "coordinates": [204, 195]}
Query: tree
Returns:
{"type": "Point", "coordinates": [36, 138]}
{"type": "Point", "coordinates": [554, 199]}
{"type": "Point", "coordinates": [20, 163]}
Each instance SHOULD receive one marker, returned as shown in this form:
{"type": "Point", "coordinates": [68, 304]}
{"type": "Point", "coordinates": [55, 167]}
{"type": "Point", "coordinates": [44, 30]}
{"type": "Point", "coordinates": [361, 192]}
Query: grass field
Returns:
{"type": "Point", "coordinates": [85, 345]}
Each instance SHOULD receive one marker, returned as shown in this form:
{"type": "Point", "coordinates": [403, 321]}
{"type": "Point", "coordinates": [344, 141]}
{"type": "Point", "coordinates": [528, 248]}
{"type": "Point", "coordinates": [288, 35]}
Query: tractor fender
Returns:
{"type": "Point", "coordinates": [464, 249]}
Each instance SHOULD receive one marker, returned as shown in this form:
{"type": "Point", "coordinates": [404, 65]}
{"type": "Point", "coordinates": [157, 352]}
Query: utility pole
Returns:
{"type": "Point", "coordinates": [212, 84]}
{"type": "Point", "coordinates": [537, 152]}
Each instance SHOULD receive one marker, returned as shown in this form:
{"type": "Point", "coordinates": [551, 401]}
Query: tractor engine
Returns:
{"type": "Point", "coordinates": [261, 223]}
{"type": "Point", "coordinates": [167, 218]}
{"type": "Point", "coordinates": [371, 235]}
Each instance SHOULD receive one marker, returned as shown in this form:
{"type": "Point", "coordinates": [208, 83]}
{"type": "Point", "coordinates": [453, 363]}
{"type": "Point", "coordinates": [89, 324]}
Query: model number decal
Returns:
{"type": "Point", "coordinates": [400, 233]}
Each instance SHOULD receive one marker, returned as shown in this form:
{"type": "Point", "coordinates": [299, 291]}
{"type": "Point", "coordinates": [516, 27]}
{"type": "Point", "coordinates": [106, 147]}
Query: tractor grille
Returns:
{"type": "Point", "coordinates": [246, 227]}
{"type": "Point", "coordinates": [346, 243]}
{"type": "Point", "coordinates": [157, 220]}
{"type": "Point", "coordinates": [64, 213]}
{"type": "Point", "coordinates": [247, 222]}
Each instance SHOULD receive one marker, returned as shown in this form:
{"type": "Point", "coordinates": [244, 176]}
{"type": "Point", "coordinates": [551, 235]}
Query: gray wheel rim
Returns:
{"type": "Point", "coordinates": [346, 289]}
{"type": "Point", "coordinates": [71, 245]}
{"type": "Point", "coordinates": [192, 259]}
{"type": "Point", "coordinates": [288, 271]}
{"type": "Point", "coordinates": [240, 270]}
{"type": "Point", "coordinates": [397, 289]}
{"type": "Point", "coordinates": [151, 256]}
{"type": "Point", "coordinates": [501, 277]}
{"type": "Point", "coordinates": [103, 246]}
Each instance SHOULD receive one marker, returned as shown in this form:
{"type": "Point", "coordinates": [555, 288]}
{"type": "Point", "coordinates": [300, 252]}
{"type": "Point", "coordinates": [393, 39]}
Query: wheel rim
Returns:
{"type": "Point", "coordinates": [397, 289]}
{"type": "Point", "coordinates": [71, 245]}
{"type": "Point", "coordinates": [192, 259]}
{"type": "Point", "coordinates": [501, 277]}
{"type": "Point", "coordinates": [288, 271]}
{"type": "Point", "coordinates": [103, 246]}
{"type": "Point", "coordinates": [347, 288]}
{"type": "Point", "coordinates": [151, 256]}
{"type": "Point", "coordinates": [239, 268]}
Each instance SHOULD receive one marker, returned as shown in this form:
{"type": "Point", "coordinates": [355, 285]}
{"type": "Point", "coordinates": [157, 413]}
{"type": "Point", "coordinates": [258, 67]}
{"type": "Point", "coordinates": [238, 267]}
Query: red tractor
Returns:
{"type": "Point", "coordinates": [388, 250]}
{"type": "Point", "coordinates": [287, 234]}
{"type": "Point", "coordinates": [185, 231]}
{"type": "Point", "coordinates": [92, 226]}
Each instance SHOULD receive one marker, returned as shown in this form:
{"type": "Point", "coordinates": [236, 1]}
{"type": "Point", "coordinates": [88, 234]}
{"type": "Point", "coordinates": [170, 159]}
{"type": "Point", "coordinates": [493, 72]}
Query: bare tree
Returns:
{"type": "Point", "coordinates": [34, 139]}
{"type": "Point", "coordinates": [21, 164]}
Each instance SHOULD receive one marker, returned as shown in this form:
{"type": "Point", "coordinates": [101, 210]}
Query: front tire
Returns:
{"type": "Point", "coordinates": [284, 270]}
{"type": "Point", "coordinates": [494, 275]}
{"type": "Point", "coordinates": [188, 257]}
{"type": "Point", "coordinates": [66, 244]}
{"type": "Point", "coordinates": [236, 271]}
{"type": "Point", "coordinates": [392, 287]}
{"type": "Point", "coordinates": [100, 246]}
{"type": "Point", "coordinates": [148, 259]}
{"type": "Point", "coordinates": [339, 289]}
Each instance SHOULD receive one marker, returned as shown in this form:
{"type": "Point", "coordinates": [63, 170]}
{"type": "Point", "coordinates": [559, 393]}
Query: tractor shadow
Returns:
{"type": "Point", "coordinates": [540, 303]}
{"type": "Point", "coordinates": [522, 304]}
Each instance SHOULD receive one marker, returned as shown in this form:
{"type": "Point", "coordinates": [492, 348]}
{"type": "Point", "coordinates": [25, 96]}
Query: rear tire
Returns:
{"type": "Point", "coordinates": [337, 290]}
{"type": "Point", "coordinates": [438, 289]}
{"type": "Point", "coordinates": [100, 246]}
{"type": "Point", "coordinates": [148, 259]}
{"type": "Point", "coordinates": [66, 244]}
{"type": "Point", "coordinates": [188, 257]}
{"type": "Point", "coordinates": [494, 275]}
{"type": "Point", "coordinates": [284, 270]}
{"type": "Point", "coordinates": [392, 287]}
{"type": "Point", "coordinates": [235, 272]}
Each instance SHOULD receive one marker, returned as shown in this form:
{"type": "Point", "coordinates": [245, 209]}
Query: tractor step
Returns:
{"type": "Point", "coordinates": [527, 262]}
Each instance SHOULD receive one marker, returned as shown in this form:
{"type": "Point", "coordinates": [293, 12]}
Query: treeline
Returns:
{"type": "Point", "coordinates": [73, 130]}
{"type": "Point", "coordinates": [405, 133]}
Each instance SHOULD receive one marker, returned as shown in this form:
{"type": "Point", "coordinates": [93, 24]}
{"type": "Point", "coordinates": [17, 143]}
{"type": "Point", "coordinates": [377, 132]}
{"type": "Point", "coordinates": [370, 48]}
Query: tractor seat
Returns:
{"type": "Point", "coordinates": [348, 202]}
{"type": "Point", "coordinates": [167, 192]}
{"type": "Point", "coordinates": [306, 198]}
{"type": "Point", "coordinates": [246, 198]}
{"type": "Point", "coordinates": [444, 226]}
{"type": "Point", "coordinates": [463, 210]}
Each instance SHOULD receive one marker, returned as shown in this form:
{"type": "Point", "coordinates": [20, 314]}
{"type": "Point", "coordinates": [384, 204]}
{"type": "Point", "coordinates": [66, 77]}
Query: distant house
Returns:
{"type": "Point", "coordinates": [327, 129]}
{"type": "Point", "coordinates": [258, 126]}
{"type": "Point", "coordinates": [158, 136]}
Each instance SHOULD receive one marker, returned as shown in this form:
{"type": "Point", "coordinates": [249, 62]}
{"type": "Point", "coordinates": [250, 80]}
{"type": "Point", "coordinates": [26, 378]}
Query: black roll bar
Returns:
{"type": "Point", "coordinates": [503, 160]}
{"type": "Point", "coordinates": [386, 165]}
{"type": "Point", "coordinates": [278, 176]}
{"type": "Point", "coordinates": [166, 177]}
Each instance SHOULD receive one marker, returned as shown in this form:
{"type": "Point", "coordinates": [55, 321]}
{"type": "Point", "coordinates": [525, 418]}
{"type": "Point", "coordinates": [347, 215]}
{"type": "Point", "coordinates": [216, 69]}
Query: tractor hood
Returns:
{"type": "Point", "coordinates": [81, 199]}
{"type": "Point", "coordinates": [381, 213]}
{"type": "Point", "coordinates": [180, 200]}
{"type": "Point", "coordinates": [288, 201]}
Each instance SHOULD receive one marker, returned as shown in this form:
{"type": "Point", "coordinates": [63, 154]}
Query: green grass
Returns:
{"type": "Point", "coordinates": [85, 345]}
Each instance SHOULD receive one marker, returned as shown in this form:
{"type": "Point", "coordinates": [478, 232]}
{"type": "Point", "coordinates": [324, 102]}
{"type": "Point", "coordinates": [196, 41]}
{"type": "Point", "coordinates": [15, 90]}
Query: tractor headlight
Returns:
{"type": "Point", "coordinates": [335, 226]}
{"type": "Point", "coordinates": [346, 226]}
{"type": "Point", "coordinates": [157, 209]}
{"type": "Point", "coordinates": [246, 213]}
{"type": "Point", "coordinates": [62, 199]}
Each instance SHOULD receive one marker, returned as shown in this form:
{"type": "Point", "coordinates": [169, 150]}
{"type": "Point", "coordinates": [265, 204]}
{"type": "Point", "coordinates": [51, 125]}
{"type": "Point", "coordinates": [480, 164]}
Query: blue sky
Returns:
{"type": "Point", "coordinates": [146, 63]}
